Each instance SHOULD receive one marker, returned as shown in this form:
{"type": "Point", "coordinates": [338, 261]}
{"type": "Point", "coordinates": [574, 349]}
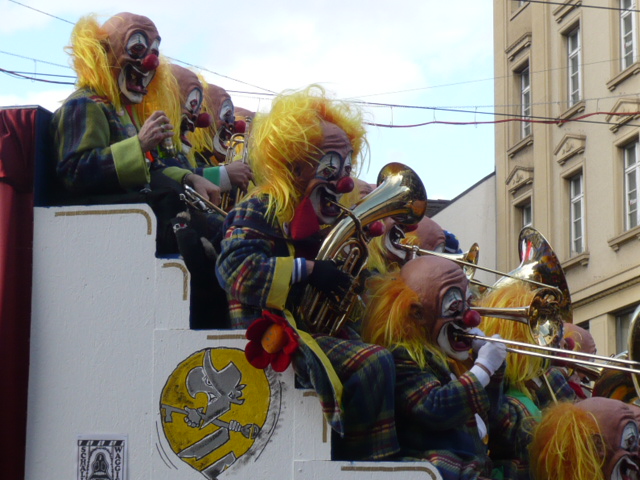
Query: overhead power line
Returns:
{"type": "Point", "coordinates": [40, 11]}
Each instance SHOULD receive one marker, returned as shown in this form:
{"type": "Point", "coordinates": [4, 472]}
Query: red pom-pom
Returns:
{"type": "Point", "coordinates": [240, 126]}
{"type": "Point", "coordinates": [471, 318]}
{"type": "Point", "coordinates": [376, 228]}
{"type": "Point", "coordinates": [345, 185]}
{"type": "Point", "coordinates": [151, 62]}
{"type": "Point", "coordinates": [203, 120]}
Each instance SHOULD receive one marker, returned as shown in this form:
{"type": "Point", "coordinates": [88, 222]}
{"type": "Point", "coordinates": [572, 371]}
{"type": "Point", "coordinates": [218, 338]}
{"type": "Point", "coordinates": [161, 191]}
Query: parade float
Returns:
{"type": "Point", "coordinates": [106, 379]}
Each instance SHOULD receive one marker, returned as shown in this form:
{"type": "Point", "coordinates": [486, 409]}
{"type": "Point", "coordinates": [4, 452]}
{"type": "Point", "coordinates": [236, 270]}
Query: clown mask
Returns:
{"type": "Point", "coordinates": [444, 293]}
{"type": "Point", "coordinates": [430, 235]}
{"type": "Point", "coordinates": [619, 429]}
{"type": "Point", "coordinates": [191, 95]}
{"type": "Point", "coordinates": [394, 234]}
{"type": "Point", "coordinates": [325, 181]}
{"type": "Point", "coordinates": [132, 49]}
{"type": "Point", "coordinates": [223, 112]}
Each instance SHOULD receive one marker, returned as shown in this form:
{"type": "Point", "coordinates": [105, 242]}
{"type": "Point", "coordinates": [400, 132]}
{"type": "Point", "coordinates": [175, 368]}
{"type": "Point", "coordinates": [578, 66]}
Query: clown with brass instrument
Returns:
{"type": "Point", "coordinates": [534, 300]}
{"type": "Point", "coordinates": [444, 413]}
{"type": "Point", "coordinates": [224, 144]}
{"type": "Point", "coordinates": [303, 153]}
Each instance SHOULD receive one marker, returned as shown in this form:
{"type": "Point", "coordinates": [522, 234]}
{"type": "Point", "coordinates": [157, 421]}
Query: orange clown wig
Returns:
{"type": "Point", "coordinates": [566, 445]}
{"type": "Point", "coordinates": [392, 318]}
{"type": "Point", "coordinates": [290, 135]}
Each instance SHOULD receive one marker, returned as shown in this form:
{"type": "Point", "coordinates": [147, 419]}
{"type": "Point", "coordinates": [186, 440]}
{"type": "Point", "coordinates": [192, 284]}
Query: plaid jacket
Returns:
{"type": "Point", "coordinates": [436, 415]}
{"type": "Point", "coordinates": [509, 446]}
{"type": "Point", "coordinates": [256, 262]}
{"type": "Point", "coordinates": [97, 148]}
{"type": "Point", "coordinates": [255, 266]}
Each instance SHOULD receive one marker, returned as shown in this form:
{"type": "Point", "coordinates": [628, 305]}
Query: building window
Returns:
{"type": "Point", "coordinates": [627, 33]}
{"type": "Point", "coordinates": [577, 213]}
{"type": "Point", "coordinates": [623, 321]}
{"type": "Point", "coordinates": [631, 180]}
{"type": "Point", "coordinates": [525, 101]}
{"type": "Point", "coordinates": [526, 214]}
{"type": "Point", "coordinates": [573, 64]}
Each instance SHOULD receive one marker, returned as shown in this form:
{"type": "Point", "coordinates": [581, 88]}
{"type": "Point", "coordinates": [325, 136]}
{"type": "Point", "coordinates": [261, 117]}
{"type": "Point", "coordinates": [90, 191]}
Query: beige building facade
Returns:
{"type": "Point", "coordinates": [568, 150]}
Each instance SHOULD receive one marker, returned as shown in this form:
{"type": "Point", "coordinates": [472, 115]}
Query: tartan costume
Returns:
{"type": "Point", "coordinates": [512, 445]}
{"type": "Point", "coordinates": [256, 267]}
{"type": "Point", "coordinates": [436, 416]}
{"type": "Point", "coordinates": [559, 385]}
{"type": "Point", "coordinates": [97, 147]}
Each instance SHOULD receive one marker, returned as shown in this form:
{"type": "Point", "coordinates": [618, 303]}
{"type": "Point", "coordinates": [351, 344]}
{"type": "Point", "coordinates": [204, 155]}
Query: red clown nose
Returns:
{"type": "Point", "coordinates": [151, 62]}
{"type": "Point", "coordinates": [203, 121]}
{"type": "Point", "coordinates": [471, 319]}
{"type": "Point", "coordinates": [376, 228]}
{"type": "Point", "coordinates": [569, 343]}
{"type": "Point", "coordinates": [345, 185]}
{"type": "Point", "coordinates": [240, 126]}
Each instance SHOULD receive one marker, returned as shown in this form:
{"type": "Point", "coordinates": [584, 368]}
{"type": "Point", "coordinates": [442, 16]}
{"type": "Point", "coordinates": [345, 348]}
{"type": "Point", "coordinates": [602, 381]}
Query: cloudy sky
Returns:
{"type": "Point", "coordinates": [405, 63]}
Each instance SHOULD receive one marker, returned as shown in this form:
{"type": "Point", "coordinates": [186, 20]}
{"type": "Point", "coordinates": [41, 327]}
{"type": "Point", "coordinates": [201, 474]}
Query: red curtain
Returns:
{"type": "Point", "coordinates": [18, 146]}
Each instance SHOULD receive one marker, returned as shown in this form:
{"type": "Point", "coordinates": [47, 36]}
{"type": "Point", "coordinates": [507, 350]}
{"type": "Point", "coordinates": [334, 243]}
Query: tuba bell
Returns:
{"type": "Point", "coordinates": [401, 195]}
{"type": "Point", "coordinates": [539, 266]}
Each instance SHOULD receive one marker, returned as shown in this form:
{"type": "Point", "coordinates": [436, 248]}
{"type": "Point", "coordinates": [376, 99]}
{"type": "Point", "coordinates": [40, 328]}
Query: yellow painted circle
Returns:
{"type": "Point", "coordinates": [255, 394]}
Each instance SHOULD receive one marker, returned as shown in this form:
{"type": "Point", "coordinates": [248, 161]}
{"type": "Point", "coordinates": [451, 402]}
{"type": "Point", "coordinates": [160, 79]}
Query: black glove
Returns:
{"type": "Point", "coordinates": [329, 279]}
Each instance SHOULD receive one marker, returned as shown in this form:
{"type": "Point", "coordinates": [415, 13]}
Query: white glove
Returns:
{"type": "Point", "coordinates": [491, 355]}
{"type": "Point", "coordinates": [477, 343]}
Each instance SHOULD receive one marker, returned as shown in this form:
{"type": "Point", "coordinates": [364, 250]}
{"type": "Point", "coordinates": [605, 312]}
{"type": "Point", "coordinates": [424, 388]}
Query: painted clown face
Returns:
{"type": "Point", "coordinates": [133, 50]}
{"type": "Point", "coordinates": [223, 111]}
{"type": "Point", "coordinates": [191, 96]}
{"type": "Point", "coordinates": [427, 235]}
{"type": "Point", "coordinates": [619, 429]}
{"type": "Point", "coordinates": [394, 234]}
{"type": "Point", "coordinates": [326, 181]}
{"type": "Point", "coordinates": [444, 293]}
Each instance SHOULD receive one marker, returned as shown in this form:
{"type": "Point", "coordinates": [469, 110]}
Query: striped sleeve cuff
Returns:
{"type": "Point", "coordinates": [299, 270]}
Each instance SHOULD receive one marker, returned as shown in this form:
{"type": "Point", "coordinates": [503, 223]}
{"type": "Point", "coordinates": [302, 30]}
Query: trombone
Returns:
{"type": "Point", "coordinates": [197, 201]}
{"type": "Point", "coordinates": [549, 309]}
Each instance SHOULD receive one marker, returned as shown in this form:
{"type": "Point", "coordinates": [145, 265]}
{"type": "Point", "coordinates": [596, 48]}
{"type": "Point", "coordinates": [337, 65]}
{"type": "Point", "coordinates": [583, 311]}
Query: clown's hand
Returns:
{"type": "Point", "coordinates": [329, 279]}
{"type": "Point", "coordinates": [477, 343]}
{"type": "Point", "coordinates": [240, 175]}
{"type": "Point", "coordinates": [204, 187]}
{"type": "Point", "coordinates": [154, 130]}
{"type": "Point", "coordinates": [491, 355]}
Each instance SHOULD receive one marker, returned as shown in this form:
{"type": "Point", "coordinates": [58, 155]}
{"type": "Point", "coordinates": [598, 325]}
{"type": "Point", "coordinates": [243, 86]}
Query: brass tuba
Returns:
{"type": "Point", "coordinates": [400, 194]}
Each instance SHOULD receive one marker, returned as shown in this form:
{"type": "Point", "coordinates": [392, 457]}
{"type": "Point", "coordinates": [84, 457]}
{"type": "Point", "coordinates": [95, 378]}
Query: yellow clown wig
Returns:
{"type": "Point", "coordinates": [291, 134]}
{"type": "Point", "coordinates": [520, 368]}
{"type": "Point", "coordinates": [392, 318]}
{"type": "Point", "coordinates": [379, 260]}
{"type": "Point", "coordinates": [567, 445]}
{"type": "Point", "coordinates": [91, 64]}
